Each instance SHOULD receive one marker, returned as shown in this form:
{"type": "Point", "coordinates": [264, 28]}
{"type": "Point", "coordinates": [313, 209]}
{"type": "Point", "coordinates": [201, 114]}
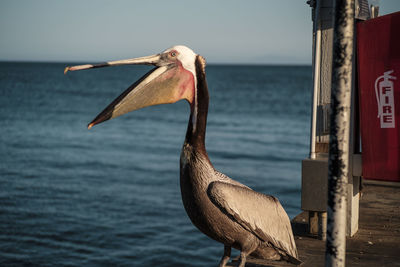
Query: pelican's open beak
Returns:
{"type": "Point", "coordinates": [167, 83]}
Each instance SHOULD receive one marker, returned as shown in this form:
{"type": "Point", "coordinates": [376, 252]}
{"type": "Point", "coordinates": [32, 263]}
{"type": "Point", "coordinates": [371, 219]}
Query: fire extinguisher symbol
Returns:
{"type": "Point", "coordinates": [385, 97]}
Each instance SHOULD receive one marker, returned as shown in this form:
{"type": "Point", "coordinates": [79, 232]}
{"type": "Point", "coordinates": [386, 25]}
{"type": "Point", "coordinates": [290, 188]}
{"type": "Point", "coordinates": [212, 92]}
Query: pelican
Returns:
{"type": "Point", "coordinates": [220, 207]}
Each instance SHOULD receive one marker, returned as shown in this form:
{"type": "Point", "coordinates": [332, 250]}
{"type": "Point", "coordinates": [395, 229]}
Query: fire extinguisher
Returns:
{"type": "Point", "coordinates": [384, 96]}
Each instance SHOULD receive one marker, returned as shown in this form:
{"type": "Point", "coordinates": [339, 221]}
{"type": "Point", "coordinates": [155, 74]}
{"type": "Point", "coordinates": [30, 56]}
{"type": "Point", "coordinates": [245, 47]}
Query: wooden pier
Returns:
{"type": "Point", "coordinates": [377, 242]}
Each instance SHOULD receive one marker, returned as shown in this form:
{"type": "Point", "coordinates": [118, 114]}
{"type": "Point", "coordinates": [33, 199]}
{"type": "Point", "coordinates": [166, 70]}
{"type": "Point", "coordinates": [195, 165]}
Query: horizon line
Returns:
{"type": "Point", "coordinates": [209, 63]}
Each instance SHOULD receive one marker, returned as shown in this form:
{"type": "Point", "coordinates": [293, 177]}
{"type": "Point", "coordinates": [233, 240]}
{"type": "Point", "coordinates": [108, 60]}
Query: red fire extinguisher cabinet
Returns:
{"type": "Point", "coordinates": [378, 54]}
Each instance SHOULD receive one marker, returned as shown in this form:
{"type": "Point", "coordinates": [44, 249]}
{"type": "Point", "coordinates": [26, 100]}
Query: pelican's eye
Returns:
{"type": "Point", "coordinates": [173, 53]}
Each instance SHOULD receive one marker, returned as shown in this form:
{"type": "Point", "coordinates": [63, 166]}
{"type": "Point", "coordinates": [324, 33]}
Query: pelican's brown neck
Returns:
{"type": "Point", "coordinates": [196, 131]}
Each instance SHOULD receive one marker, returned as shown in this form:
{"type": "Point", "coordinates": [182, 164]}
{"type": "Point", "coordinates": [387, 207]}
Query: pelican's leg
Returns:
{"type": "Point", "coordinates": [242, 260]}
{"type": "Point", "coordinates": [225, 258]}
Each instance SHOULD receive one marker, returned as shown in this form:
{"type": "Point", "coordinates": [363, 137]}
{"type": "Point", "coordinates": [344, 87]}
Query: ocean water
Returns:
{"type": "Point", "coordinates": [110, 196]}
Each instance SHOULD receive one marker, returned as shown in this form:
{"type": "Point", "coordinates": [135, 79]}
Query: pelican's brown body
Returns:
{"type": "Point", "coordinates": [200, 183]}
{"type": "Point", "coordinates": [223, 209]}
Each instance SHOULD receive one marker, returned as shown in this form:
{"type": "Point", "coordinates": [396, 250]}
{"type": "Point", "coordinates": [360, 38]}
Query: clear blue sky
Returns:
{"type": "Point", "coordinates": [257, 31]}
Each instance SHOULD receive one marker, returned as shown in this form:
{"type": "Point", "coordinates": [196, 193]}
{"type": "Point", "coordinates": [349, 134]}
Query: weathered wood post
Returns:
{"type": "Point", "coordinates": [338, 165]}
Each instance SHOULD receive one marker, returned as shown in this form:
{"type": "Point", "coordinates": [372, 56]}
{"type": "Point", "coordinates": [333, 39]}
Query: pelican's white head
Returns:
{"type": "Point", "coordinates": [185, 55]}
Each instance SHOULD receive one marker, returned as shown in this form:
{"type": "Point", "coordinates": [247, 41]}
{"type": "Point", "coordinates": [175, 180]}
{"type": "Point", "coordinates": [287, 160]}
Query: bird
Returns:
{"type": "Point", "coordinates": [223, 209]}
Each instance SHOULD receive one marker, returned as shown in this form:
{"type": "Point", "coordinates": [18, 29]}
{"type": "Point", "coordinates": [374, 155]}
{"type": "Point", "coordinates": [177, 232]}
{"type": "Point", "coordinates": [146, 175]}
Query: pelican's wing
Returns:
{"type": "Point", "coordinates": [260, 214]}
{"type": "Point", "coordinates": [225, 179]}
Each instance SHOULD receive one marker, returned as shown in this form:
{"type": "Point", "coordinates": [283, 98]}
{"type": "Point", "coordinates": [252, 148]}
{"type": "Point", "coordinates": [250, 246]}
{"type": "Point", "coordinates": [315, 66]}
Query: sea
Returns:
{"type": "Point", "coordinates": [110, 196]}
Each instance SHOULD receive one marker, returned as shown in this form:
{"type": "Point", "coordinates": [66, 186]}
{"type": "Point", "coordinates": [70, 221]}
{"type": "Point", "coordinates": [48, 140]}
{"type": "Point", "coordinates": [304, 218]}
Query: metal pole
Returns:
{"type": "Point", "coordinates": [339, 133]}
{"type": "Point", "coordinates": [317, 70]}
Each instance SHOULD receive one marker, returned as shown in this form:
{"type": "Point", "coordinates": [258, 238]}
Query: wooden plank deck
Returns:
{"type": "Point", "coordinates": [377, 242]}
